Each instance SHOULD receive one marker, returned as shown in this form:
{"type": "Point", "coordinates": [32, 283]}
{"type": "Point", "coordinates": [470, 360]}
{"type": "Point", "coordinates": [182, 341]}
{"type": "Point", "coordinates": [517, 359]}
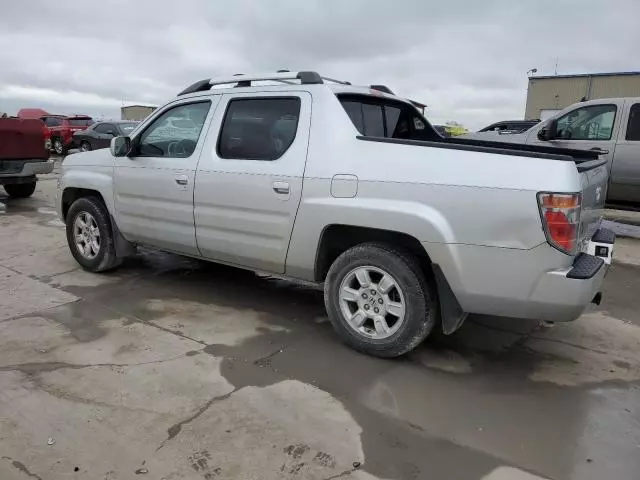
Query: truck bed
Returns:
{"type": "Point", "coordinates": [21, 139]}
{"type": "Point", "coordinates": [501, 148]}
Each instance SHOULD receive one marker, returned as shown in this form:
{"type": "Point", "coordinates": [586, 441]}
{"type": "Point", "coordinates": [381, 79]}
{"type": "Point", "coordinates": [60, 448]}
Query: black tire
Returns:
{"type": "Point", "coordinates": [85, 146]}
{"type": "Point", "coordinates": [20, 190]}
{"type": "Point", "coordinates": [58, 146]}
{"type": "Point", "coordinates": [421, 309]}
{"type": "Point", "coordinates": [106, 258]}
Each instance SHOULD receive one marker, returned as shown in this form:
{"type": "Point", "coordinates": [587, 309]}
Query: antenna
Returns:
{"type": "Point", "coordinates": [555, 70]}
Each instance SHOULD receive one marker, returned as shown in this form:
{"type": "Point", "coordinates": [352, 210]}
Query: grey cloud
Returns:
{"type": "Point", "coordinates": [467, 61]}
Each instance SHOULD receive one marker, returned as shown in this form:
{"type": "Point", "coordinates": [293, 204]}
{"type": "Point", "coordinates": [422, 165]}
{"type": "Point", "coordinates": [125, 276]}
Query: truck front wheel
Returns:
{"type": "Point", "coordinates": [20, 190]}
{"type": "Point", "coordinates": [90, 236]}
{"type": "Point", "coordinates": [379, 301]}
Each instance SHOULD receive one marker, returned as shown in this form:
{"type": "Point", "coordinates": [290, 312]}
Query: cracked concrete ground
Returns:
{"type": "Point", "coordinates": [173, 369]}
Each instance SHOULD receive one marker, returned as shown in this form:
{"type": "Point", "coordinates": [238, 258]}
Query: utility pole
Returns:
{"type": "Point", "coordinates": [555, 70]}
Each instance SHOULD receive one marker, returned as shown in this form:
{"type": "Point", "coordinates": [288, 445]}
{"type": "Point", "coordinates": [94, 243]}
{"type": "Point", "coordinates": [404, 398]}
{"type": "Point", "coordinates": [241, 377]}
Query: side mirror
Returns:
{"type": "Point", "coordinates": [550, 132]}
{"type": "Point", "coordinates": [120, 146]}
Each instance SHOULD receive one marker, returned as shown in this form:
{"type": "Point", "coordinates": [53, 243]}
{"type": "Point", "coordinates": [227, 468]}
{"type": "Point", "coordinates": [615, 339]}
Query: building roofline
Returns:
{"type": "Point", "coordinates": [137, 105]}
{"type": "Point", "coordinates": [600, 74]}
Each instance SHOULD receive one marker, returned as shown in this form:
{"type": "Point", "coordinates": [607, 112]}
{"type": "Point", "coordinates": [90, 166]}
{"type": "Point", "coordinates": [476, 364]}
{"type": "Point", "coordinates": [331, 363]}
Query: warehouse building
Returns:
{"type": "Point", "coordinates": [548, 94]}
{"type": "Point", "coordinates": [136, 112]}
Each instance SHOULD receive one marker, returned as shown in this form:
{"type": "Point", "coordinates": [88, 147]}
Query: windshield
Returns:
{"type": "Point", "coordinates": [127, 127]}
{"type": "Point", "coordinates": [80, 122]}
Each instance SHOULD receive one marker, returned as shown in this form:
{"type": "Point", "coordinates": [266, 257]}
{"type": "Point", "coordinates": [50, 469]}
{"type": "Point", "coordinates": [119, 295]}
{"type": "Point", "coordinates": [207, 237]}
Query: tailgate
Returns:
{"type": "Point", "coordinates": [594, 178]}
{"type": "Point", "coordinates": [22, 139]}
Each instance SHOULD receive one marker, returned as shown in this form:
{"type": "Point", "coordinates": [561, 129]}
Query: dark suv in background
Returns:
{"type": "Point", "coordinates": [60, 130]}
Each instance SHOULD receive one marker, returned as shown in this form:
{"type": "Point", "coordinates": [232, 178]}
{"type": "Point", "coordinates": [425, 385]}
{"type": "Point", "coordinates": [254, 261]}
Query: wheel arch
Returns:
{"type": "Point", "coordinates": [71, 194]}
{"type": "Point", "coordinates": [337, 238]}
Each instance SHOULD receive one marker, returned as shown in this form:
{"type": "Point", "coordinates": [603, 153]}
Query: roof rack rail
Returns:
{"type": "Point", "coordinates": [242, 80]}
{"type": "Point", "coordinates": [341, 82]}
{"type": "Point", "coordinates": [381, 88]}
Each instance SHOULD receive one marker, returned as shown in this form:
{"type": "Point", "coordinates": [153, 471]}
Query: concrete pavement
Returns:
{"type": "Point", "coordinates": [170, 368]}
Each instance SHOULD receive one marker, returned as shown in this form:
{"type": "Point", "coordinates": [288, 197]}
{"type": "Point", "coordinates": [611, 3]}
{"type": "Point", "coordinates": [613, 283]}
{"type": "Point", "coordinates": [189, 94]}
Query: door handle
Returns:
{"type": "Point", "coordinates": [281, 187]}
{"type": "Point", "coordinates": [182, 180]}
{"type": "Point", "coordinates": [601, 151]}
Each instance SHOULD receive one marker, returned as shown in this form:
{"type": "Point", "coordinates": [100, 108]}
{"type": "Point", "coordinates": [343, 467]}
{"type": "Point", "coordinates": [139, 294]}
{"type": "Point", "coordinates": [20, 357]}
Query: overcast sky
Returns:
{"type": "Point", "coordinates": [467, 60]}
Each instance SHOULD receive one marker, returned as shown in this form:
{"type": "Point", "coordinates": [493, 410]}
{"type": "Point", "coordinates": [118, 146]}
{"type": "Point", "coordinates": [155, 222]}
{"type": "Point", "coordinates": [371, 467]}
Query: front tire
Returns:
{"type": "Point", "coordinates": [379, 300]}
{"type": "Point", "coordinates": [85, 147]}
{"type": "Point", "coordinates": [20, 190]}
{"type": "Point", "coordinates": [90, 236]}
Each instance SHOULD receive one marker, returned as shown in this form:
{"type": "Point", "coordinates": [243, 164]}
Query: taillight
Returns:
{"type": "Point", "coordinates": [560, 214]}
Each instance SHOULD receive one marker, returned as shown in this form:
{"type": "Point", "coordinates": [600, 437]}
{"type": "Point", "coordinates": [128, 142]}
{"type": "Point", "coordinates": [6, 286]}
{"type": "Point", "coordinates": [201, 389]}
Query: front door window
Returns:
{"type": "Point", "coordinates": [594, 122]}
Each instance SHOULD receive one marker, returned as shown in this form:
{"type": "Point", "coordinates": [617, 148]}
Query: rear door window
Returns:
{"type": "Point", "coordinates": [633, 127]}
{"type": "Point", "coordinates": [104, 128]}
{"type": "Point", "coordinates": [259, 128]}
{"type": "Point", "coordinates": [593, 122]}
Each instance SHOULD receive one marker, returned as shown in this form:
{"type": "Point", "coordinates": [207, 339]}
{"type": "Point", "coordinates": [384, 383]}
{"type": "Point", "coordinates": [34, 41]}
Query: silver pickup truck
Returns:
{"type": "Point", "coordinates": [300, 175]}
{"type": "Point", "coordinates": [607, 125]}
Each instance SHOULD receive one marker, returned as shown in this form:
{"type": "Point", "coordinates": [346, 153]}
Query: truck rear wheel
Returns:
{"type": "Point", "coordinates": [58, 146]}
{"type": "Point", "coordinates": [20, 190]}
{"type": "Point", "coordinates": [90, 236]}
{"type": "Point", "coordinates": [379, 301]}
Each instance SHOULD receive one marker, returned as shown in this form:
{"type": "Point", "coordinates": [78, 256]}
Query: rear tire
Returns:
{"type": "Point", "coordinates": [90, 236]}
{"type": "Point", "coordinates": [58, 146]}
{"type": "Point", "coordinates": [411, 300]}
{"type": "Point", "coordinates": [20, 190]}
{"type": "Point", "coordinates": [85, 147]}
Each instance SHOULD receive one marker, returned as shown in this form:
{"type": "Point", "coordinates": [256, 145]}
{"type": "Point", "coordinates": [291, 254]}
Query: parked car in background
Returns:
{"type": "Point", "coordinates": [22, 155]}
{"type": "Point", "coordinates": [442, 130]}
{"type": "Point", "coordinates": [61, 129]}
{"type": "Point", "coordinates": [510, 126]}
{"type": "Point", "coordinates": [607, 125]}
{"type": "Point", "coordinates": [99, 134]}
{"type": "Point", "coordinates": [409, 231]}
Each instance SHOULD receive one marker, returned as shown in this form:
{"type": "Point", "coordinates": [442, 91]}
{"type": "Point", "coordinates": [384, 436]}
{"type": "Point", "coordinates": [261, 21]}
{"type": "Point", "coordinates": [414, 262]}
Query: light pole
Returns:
{"type": "Point", "coordinates": [532, 71]}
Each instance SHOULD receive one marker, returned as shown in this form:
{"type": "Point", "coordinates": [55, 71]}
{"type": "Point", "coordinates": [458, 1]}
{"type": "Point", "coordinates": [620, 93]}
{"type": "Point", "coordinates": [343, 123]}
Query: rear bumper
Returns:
{"type": "Point", "coordinates": [563, 295]}
{"type": "Point", "coordinates": [541, 283]}
{"type": "Point", "coordinates": [29, 169]}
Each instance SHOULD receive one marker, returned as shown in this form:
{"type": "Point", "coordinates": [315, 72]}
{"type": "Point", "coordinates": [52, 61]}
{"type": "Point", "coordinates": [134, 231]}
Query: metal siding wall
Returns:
{"type": "Point", "coordinates": [554, 93]}
{"type": "Point", "coordinates": [135, 112]}
{"type": "Point", "coordinates": [610, 87]}
{"type": "Point", "coordinates": [558, 93]}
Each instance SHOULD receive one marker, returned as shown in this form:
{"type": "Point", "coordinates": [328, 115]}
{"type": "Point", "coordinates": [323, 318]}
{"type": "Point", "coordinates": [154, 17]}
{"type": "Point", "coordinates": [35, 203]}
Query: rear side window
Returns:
{"type": "Point", "coordinates": [354, 110]}
{"type": "Point", "coordinates": [80, 122]}
{"type": "Point", "coordinates": [374, 117]}
{"type": "Point", "coordinates": [633, 127]}
{"type": "Point", "coordinates": [258, 128]}
{"type": "Point", "coordinates": [53, 122]}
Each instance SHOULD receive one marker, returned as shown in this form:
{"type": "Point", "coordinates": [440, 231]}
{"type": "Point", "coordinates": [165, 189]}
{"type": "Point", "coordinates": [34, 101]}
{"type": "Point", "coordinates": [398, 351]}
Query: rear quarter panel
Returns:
{"type": "Point", "coordinates": [439, 196]}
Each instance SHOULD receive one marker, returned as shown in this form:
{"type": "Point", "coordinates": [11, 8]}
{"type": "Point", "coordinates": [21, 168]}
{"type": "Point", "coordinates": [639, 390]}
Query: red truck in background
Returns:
{"type": "Point", "coordinates": [23, 155]}
{"type": "Point", "coordinates": [61, 129]}
{"type": "Point", "coordinates": [58, 129]}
